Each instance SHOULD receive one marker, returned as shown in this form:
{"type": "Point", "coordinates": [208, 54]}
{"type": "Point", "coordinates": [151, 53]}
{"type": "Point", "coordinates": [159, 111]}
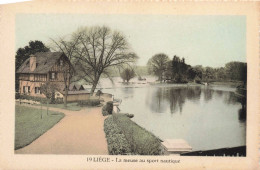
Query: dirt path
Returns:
{"type": "Point", "coordinates": [79, 132]}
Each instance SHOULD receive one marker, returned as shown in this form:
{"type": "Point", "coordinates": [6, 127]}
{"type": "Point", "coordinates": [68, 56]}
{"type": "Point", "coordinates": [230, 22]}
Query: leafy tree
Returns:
{"type": "Point", "coordinates": [157, 65]}
{"type": "Point", "coordinates": [236, 71]}
{"type": "Point", "coordinates": [127, 74]}
{"type": "Point", "coordinates": [179, 69]}
{"type": "Point", "coordinates": [23, 54]}
{"type": "Point", "coordinates": [209, 73]}
{"type": "Point", "coordinates": [100, 49]}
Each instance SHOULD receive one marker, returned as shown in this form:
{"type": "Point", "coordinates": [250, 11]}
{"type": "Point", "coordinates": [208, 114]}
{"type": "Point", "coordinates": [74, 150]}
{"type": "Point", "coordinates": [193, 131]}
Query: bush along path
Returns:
{"type": "Point", "coordinates": [79, 132]}
{"type": "Point", "coordinates": [126, 137]}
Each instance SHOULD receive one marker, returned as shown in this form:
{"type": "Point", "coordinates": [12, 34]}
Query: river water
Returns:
{"type": "Point", "coordinates": [207, 117]}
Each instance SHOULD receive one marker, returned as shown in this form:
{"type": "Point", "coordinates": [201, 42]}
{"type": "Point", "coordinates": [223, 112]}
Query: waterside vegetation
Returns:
{"type": "Point", "coordinates": [126, 137]}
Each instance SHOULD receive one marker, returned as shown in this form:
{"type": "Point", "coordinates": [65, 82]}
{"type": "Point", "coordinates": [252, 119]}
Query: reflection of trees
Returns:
{"type": "Point", "coordinates": [208, 93]}
{"type": "Point", "coordinates": [175, 97]}
{"type": "Point", "coordinates": [242, 114]}
{"type": "Point", "coordinates": [219, 93]}
{"type": "Point", "coordinates": [231, 98]}
{"type": "Point", "coordinates": [129, 91]}
{"type": "Point", "coordinates": [158, 100]}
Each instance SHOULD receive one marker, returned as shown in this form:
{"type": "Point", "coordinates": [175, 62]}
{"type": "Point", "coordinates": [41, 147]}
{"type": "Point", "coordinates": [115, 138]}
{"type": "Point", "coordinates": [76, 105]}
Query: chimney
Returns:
{"type": "Point", "coordinates": [32, 62]}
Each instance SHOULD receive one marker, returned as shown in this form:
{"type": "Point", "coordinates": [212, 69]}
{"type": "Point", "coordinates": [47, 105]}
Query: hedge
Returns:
{"type": "Point", "coordinates": [39, 99]}
{"type": "Point", "coordinates": [141, 141]}
{"type": "Point", "coordinates": [107, 109]}
{"type": "Point", "coordinates": [117, 143]}
{"type": "Point", "coordinates": [89, 102]}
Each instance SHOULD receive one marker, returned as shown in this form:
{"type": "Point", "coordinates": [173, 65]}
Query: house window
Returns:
{"type": "Point", "coordinates": [53, 76]}
{"type": "Point", "coordinates": [37, 90]}
{"type": "Point", "coordinates": [26, 89]}
{"type": "Point", "coordinates": [61, 62]}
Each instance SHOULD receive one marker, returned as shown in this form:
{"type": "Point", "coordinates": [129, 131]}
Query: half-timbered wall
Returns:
{"type": "Point", "coordinates": [32, 86]}
{"type": "Point", "coordinates": [60, 68]}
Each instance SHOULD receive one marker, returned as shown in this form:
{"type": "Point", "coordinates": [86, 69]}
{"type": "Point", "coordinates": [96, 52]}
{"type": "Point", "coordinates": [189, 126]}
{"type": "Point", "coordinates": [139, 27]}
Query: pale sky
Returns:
{"type": "Point", "coordinates": [201, 40]}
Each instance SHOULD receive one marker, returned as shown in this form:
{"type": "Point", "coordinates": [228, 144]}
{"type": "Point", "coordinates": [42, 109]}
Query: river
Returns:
{"type": "Point", "coordinates": [207, 117]}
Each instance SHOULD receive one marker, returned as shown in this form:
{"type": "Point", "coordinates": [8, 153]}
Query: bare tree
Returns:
{"type": "Point", "coordinates": [99, 49]}
{"type": "Point", "coordinates": [127, 74]}
{"type": "Point", "coordinates": [157, 65]}
{"type": "Point", "coordinates": [68, 47]}
{"type": "Point", "coordinates": [48, 89]}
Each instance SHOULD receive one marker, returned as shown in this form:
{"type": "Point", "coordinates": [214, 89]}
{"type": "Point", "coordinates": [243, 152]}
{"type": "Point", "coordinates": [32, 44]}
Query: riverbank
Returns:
{"type": "Point", "coordinates": [125, 137]}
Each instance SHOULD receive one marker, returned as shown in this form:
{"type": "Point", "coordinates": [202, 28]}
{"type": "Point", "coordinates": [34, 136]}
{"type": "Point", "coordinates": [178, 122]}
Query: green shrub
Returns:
{"type": "Point", "coordinates": [37, 99]}
{"type": "Point", "coordinates": [129, 115]}
{"type": "Point", "coordinates": [141, 141]}
{"type": "Point", "coordinates": [59, 100]}
{"type": "Point", "coordinates": [89, 102]}
{"type": "Point", "coordinates": [17, 95]}
{"type": "Point", "coordinates": [109, 107]}
{"type": "Point", "coordinates": [42, 100]}
{"type": "Point", "coordinates": [104, 110]}
{"type": "Point", "coordinates": [117, 143]}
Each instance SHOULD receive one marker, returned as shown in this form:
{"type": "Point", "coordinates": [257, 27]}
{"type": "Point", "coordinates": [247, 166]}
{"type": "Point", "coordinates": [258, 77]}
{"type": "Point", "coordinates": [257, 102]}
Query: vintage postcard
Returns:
{"type": "Point", "coordinates": [130, 85]}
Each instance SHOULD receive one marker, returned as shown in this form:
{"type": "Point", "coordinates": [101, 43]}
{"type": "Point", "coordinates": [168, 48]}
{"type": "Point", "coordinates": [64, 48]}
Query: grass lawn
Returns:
{"type": "Point", "coordinates": [29, 125]}
{"type": "Point", "coordinates": [70, 106]}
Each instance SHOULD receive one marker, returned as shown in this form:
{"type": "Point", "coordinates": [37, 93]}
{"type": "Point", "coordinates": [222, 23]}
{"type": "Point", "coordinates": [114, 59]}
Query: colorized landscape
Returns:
{"type": "Point", "coordinates": [94, 91]}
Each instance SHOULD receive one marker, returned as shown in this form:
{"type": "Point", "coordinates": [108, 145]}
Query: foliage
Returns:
{"type": "Point", "coordinates": [38, 99]}
{"type": "Point", "coordinates": [48, 89]}
{"type": "Point", "coordinates": [127, 74]}
{"type": "Point", "coordinates": [34, 98]}
{"type": "Point", "coordinates": [129, 115]}
{"type": "Point", "coordinates": [29, 125]}
{"type": "Point", "coordinates": [237, 71]}
{"type": "Point", "coordinates": [107, 109]}
{"type": "Point", "coordinates": [89, 102]}
{"type": "Point", "coordinates": [99, 92]}
{"type": "Point", "coordinates": [157, 65]}
{"type": "Point", "coordinates": [178, 71]}
{"type": "Point", "coordinates": [24, 53]}
{"type": "Point", "coordinates": [141, 141]}
{"type": "Point", "coordinates": [104, 110]}
{"type": "Point", "coordinates": [117, 143]}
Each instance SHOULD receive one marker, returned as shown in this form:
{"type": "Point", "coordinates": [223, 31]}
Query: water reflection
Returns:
{"type": "Point", "coordinates": [206, 117]}
{"type": "Point", "coordinates": [175, 98]}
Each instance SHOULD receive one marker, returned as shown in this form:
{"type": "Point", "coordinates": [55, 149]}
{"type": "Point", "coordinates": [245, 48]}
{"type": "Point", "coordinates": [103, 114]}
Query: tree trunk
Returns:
{"type": "Point", "coordinates": [41, 108]}
{"type": "Point", "coordinates": [94, 85]}
{"type": "Point", "coordinates": [65, 97]}
{"type": "Point", "coordinates": [47, 106]}
{"type": "Point", "coordinates": [93, 88]}
{"type": "Point", "coordinates": [160, 78]}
